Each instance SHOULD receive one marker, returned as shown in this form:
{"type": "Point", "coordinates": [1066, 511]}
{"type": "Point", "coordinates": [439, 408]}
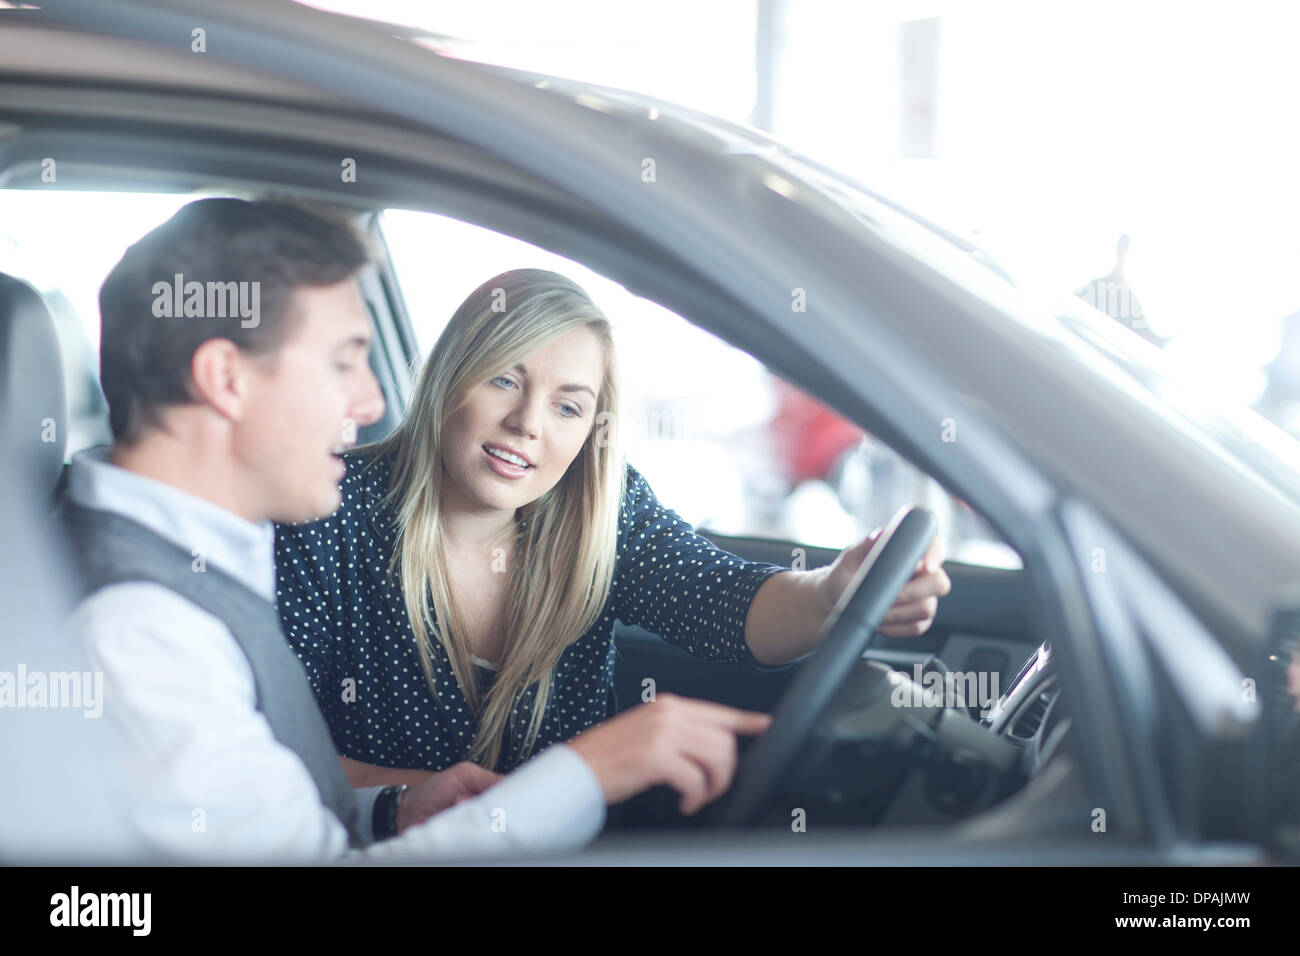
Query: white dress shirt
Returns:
{"type": "Point", "coordinates": [209, 779]}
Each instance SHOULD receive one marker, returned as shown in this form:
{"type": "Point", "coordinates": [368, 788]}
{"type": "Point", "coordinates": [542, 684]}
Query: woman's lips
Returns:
{"type": "Point", "coordinates": [504, 468]}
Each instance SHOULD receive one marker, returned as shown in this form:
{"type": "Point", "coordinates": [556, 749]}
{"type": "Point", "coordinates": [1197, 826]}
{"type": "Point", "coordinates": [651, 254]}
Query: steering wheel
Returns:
{"type": "Point", "coordinates": [847, 631]}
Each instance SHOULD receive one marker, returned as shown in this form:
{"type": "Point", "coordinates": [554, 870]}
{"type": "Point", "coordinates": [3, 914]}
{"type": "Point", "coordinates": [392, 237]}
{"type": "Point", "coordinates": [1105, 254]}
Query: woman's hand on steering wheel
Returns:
{"type": "Point", "coordinates": [914, 609]}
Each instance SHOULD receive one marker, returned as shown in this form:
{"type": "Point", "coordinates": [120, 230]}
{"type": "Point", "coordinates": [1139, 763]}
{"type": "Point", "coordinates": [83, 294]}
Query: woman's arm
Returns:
{"type": "Point", "coordinates": [679, 585]}
{"type": "Point", "coordinates": [786, 616]}
{"type": "Point", "coordinates": [370, 775]}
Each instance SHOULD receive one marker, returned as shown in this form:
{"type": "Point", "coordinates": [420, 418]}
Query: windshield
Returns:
{"type": "Point", "coordinates": [1240, 431]}
{"type": "Point", "coordinates": [1178, 393]}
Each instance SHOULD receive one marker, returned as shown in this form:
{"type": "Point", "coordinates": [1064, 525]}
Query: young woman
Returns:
{"type": "Point", "coordinates": [460, 604]}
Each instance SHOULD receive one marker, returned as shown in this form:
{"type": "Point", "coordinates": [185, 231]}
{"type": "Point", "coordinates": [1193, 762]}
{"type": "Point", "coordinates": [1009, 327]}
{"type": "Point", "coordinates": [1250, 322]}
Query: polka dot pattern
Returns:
{"type": "Point", "coordinates": [344, 616]}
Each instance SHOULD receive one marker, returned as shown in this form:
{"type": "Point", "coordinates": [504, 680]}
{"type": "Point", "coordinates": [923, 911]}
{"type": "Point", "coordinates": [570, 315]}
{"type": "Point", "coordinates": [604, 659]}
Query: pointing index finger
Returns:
{"type": "Point", "coordinates": [746, 722]}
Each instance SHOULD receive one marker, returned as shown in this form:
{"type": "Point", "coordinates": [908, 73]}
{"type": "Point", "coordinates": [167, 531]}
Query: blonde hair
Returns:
{"type": "Point", "coordinates": [566, 544]}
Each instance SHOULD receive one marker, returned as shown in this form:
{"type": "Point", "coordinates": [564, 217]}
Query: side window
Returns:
{"type": "Point", "coordinates": [64, 243]}
{"type": "Point", "coordinates": [724, 442]}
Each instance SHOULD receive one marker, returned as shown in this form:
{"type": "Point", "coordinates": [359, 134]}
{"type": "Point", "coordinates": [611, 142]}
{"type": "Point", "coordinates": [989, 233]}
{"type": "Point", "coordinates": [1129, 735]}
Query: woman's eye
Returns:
{"type": "Point", "coordinates": [570, 411]}
{"type": "Point", "coordinates": [509, 383]}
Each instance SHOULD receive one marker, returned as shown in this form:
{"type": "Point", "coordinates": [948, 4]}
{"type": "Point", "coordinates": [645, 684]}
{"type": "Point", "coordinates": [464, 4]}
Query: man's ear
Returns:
{"type": "Point", "coordinates": [218, 375]}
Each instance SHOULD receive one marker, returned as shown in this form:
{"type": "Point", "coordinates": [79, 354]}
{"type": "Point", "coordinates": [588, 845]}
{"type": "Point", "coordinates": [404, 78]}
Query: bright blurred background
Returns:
{"type": "Point", "coordinates": [1044, 132]}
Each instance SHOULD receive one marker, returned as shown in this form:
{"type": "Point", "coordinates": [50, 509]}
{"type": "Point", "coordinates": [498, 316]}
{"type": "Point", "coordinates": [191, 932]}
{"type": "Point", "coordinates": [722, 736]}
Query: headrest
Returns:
{"type": "Point", "coordinates": [33, 404]}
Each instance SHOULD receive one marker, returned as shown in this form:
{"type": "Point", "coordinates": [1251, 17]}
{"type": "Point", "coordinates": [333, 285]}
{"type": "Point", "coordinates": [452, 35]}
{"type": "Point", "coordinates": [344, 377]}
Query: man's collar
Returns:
{"type": "Point", "coordinates": [240, 548]}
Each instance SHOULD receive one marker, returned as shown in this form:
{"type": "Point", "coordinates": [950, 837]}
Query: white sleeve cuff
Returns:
{"type": "Point", "coordinates": [553, 802]}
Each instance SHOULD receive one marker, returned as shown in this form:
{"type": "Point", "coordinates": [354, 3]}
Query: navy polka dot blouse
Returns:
{"type": "Point", "coordinates": [345, 618]}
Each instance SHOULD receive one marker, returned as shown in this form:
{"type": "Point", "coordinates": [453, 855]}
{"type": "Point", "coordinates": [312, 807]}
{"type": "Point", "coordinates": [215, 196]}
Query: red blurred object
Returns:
{"type": "Point", "coordinates": [808, 437]}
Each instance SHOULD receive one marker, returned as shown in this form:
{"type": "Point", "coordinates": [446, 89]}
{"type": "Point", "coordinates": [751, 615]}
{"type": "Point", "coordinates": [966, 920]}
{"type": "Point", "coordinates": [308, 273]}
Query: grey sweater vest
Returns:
{"type": "Point", "coordinates": [112, 549]}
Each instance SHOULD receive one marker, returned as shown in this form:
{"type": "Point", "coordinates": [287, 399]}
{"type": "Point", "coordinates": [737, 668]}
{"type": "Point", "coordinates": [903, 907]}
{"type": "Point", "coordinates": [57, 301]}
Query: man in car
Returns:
{"type": "Point", "coordinates": [234, 360]}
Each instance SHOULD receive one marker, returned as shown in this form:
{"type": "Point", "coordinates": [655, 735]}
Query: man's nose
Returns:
{"type": "Point", "coordinates": [368, 404]}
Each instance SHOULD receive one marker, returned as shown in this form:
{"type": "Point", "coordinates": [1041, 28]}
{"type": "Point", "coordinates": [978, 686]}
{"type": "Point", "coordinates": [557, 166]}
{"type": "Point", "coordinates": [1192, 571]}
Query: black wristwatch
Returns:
{"type": "Point", "coordinates": [383, 819]}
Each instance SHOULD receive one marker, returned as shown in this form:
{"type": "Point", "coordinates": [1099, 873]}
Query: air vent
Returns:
{"type": "Point", "coordinates": [1027, 724]}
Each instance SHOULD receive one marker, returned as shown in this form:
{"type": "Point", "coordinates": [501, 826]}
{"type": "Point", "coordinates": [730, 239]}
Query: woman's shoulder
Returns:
{"type": "Point", "coordinates": [636, 490]}
{"type": "Point", "coordinates": [640, 504]}
{"type": "Point", "coordinates": [365, 493]}
{"type": "Point", "coordinates": [369, 471]}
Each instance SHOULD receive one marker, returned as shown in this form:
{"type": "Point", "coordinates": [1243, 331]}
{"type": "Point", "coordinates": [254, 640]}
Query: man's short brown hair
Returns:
{"type": "Point", "coordinates": [270, 247]}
